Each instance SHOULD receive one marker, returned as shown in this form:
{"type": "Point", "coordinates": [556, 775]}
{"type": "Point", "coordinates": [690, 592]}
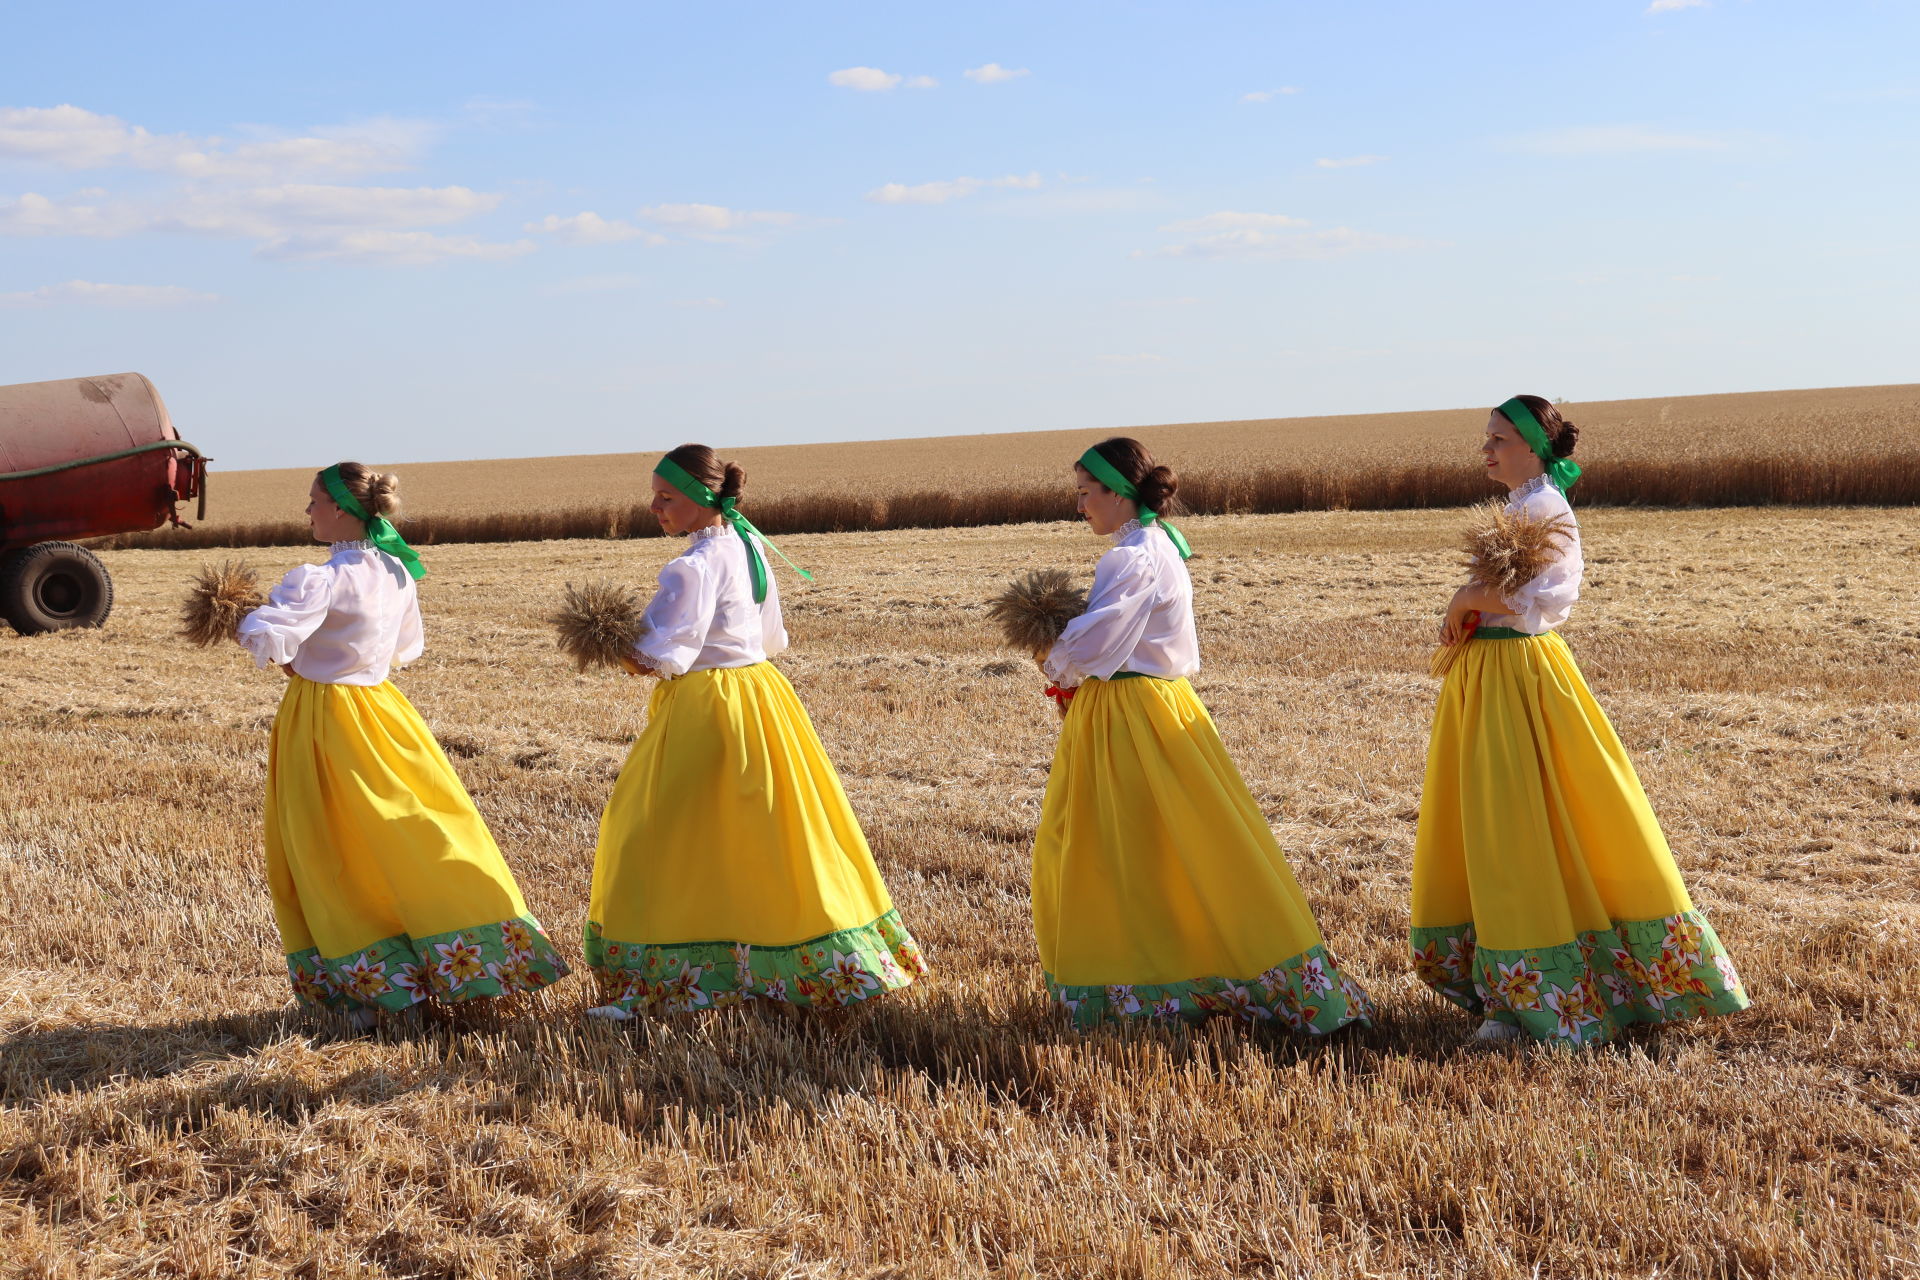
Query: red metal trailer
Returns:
{"type": "Point", "coordinates": [82, 458]}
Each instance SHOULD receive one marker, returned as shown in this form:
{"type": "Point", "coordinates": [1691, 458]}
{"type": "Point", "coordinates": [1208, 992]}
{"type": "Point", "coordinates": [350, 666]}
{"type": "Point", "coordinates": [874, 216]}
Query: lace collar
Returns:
{"type": "Point", "coordinates": [357, 544]}
{"type": "Point", "coordinates": [1531, 487]}
{"type": "Point", "coordinates": [1124, 532]}
{"type": "Point", "coordinates": [711, 531]}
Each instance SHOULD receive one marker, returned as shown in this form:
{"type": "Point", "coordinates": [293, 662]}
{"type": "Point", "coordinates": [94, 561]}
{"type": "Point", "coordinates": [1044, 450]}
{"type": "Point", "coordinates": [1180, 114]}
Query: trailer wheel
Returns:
{"type": "Point", "coordinates": [53, 586]}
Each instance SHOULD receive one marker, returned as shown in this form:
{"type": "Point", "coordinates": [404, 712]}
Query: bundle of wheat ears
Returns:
{"type": "Point", "coordinates": [1033, 611]}
{"type": "Point", "coordinates": [1505, 551]}
{"type": "Point", "coordinates": [221, 595]}
{"type": "Point", "coordinates": [599, 624]}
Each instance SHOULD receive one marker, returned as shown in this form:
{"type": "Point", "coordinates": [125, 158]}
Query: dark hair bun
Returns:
{"type": "Point", "coordinates": [1157, 488]}
{"type": "Point", "coordinates": [733, 480]}
{"type": "Point", "coordinates": [1563, 443]}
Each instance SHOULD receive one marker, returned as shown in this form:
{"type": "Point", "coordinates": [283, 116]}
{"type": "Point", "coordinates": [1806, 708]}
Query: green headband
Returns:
{"type": "Point", "coordinates": [678, 476]}
{"type": "Point", "coordinates": [380, 530]}
{"type": "Point", "coordinates": [1562, 471]}
{"type": "Point", "coordinates": [1095, 464]}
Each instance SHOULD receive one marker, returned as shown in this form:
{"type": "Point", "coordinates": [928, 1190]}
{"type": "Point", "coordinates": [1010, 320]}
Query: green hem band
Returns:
{"type": "Point", "coordinates": [398, 972]}
{"type": "Point", "coordinates": [839, 968]}
{"type": "Point", "coordinates": [1590, 988]}
{"type": "Point", "coordinates": [1307, 993]}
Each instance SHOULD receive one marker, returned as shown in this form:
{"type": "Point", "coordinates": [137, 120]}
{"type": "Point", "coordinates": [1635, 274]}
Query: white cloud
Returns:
{"type": "Point", "coordinates": [1268, 95]}
{"type": "Point", "coordinates": [70, 137]}
{"type": "Point", "coordinates": [35, 215]}
{"type": "Point", "coordinates": [388, 248]}
{"type": "Point", "coordinates": [1668, 6]}
{"type": "Point", "coordinates": [951, 189]}
{"type": "Point", "coordinates": [865, 79]}
{"type": "Point", "coordinates": [695, 219]}
{"type": "Point", "coordinates": [256, 188]}
{"type": "Point", "coordinates": [1625, 139]}
{"type": "Point", "coordinates": [269, 212]}
{"type": "Point", "coordinates": [922, 82]}
{"type": "Point", "coordinates": [1273, 236]}
{"type": "Point", "coordinates": [88, 293]}
{"type": "Point", "coordinates": [290, 221]}
{"type": "Point", "coordinates": [993, 73]}
{"type": "Point", "coordinates": [1348, 162]}
{"type": "Point", "coordinates": [590, 228]}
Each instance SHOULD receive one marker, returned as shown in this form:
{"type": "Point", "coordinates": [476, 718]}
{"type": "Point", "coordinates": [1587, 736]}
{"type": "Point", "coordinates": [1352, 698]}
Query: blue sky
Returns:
{"type": "Point", "coordinates": [434, 231]}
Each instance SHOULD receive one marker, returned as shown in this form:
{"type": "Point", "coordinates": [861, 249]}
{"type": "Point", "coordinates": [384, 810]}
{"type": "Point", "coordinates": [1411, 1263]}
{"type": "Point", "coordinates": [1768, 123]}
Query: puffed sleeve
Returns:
{"type": "Point", "coordinates": [679, 617]}
{"type": "Point", "coordinates": [1099, 641]}
{"type": "Point", "coordinates": [413, 637]}
{"type": "Point", "coordinates": [294, 610]}
{"type": "Point", "coordinates": [1547, 600]}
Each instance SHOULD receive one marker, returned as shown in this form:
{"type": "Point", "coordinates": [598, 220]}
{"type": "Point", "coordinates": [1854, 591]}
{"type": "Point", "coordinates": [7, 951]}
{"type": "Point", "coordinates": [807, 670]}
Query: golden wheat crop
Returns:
{"type": "Point", "coordinates": [162, 1114]}
{"type": "Point", "coordinates": [1830, 425]}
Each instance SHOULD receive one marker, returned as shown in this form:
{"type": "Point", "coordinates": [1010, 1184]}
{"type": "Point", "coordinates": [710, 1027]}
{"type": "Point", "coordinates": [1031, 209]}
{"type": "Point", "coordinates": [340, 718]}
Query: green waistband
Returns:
{"type": "Point", "coordinates": [1503, 633]}
{"type": "Point", "coordinates": [1133, 675]}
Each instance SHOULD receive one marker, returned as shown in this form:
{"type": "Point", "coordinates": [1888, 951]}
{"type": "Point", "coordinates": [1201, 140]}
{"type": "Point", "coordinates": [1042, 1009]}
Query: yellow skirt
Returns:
{"type": "Point", "coordinates": [387, 886]}
{"type": "Point", "coordinates": [1158, 889]}
{"type": "Point", "coordinates": [730, 865]}
{"type": "Point", "coordinates": [1544, 894]}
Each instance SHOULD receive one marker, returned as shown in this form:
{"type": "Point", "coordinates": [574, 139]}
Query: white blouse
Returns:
{"type": "Point", "coordinates": [1139, 615]}
{"type": "Point", "coordinates": [348, 621]}
{"type": "Point", "coordinates": [704, 616]}
{"type": "Point", "coordinates": [1546, 601]}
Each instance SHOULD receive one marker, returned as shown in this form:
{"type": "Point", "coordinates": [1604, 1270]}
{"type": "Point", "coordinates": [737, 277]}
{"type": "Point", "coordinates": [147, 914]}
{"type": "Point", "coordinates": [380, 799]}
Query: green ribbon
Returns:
{"type": "Point", "coordinates": [1095, 464]}
{"type": "Point", "coordinates": [679, 477]}
{"type": "Point", "coordinates": [380, 530]}
{"type": "Point", "coordinates": [1562, 471]}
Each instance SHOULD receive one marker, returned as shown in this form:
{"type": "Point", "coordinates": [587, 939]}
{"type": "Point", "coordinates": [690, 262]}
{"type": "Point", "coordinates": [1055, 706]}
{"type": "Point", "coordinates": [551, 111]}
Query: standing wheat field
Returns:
{"type": "Point", "coordinates": [1818, 447]}
{"type": "Point", "coordinates": [165, 1114]}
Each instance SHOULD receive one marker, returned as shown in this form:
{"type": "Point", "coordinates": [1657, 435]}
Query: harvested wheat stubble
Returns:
{"type": "Point", "coordinates": [160, 1115]}
{"type": "Point", "coordinates": [220, 597]}
{"type": "Point", "coordinates": [597, 625]}
{"type": "Point", "coordinates": [1035, 609]}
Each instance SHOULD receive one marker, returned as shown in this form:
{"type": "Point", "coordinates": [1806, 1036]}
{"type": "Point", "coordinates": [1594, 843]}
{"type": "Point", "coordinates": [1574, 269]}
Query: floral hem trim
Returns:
{"type": "Point", "coordinates": [1589, 989]}
{"type": "Point", "coordinates": [840, 968]}
{"type": "Point", "coordinates": [397, 972]}
{"type": "Point", "coordinates": [1308, 993]}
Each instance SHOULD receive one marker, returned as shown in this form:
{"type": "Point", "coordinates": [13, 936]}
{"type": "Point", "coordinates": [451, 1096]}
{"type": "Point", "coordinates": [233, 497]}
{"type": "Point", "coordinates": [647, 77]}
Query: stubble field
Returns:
{"type": "Point", "coordinates": [166, 1115]}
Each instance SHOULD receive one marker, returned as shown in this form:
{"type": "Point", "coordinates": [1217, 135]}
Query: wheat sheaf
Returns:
{"type": "Point", "coordinates": [219, 597]}
{"type": "Point", "coordinates": [598, 624]}
{"type": "Point", "coordinates": [1036, 608]}
{"type": "Point", "coordinates": [1505, 551]}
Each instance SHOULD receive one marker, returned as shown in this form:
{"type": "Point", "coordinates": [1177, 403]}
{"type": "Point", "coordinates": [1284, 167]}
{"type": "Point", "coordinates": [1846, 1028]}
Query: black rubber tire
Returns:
{"type": "Point", "coordinates": [53, 586]}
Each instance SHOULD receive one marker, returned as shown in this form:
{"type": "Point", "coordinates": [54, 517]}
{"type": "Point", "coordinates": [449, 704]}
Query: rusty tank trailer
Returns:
{"type": "Point", "coordinates": [82, 458]}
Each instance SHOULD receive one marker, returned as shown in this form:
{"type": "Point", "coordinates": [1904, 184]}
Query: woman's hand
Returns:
{"type": "Point", "coordinates": [1462, 613]}
{"type": "Point", "coordinates": [636, 668]}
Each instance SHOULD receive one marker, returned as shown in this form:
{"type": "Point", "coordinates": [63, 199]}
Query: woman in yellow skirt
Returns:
{"type": "Point", "coordinates": [1158, 889]}
{"type": "Point", "coordinates": [1545, 899]}
{"type": "Point", "coordinates": [387, 886]}
{"type": "Point", "coordinates": [730, 866]}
